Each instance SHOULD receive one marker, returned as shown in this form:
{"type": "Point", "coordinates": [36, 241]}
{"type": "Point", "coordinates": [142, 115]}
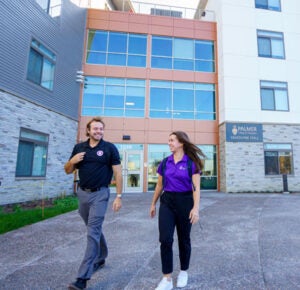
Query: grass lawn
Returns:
{"type": "Point", "coordinates": [21, 215]}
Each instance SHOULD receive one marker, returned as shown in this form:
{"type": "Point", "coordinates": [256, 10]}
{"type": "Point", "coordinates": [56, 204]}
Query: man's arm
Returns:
{"type": "Point", "coordinates": [117, 204]}
{"type": "Point", "coordinates": [117, 169]}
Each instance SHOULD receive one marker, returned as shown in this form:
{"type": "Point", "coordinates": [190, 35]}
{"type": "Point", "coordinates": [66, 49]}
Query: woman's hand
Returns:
{"type": "Point", "coordinates": [194, 215]}
{"type": "Point", "coordinates": [152, 210]}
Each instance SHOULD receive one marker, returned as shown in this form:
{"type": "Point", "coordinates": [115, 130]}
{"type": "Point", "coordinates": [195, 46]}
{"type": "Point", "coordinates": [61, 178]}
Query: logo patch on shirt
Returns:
{"type": "Point", "coordinates": [181, 167]}
{"type": "Point", "coordinates": [100, 153]}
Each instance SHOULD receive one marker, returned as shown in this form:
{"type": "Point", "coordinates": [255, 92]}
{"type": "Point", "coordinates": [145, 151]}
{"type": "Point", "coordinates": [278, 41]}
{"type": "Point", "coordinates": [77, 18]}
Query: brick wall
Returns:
{"type": "Point", "coordinates": [242, 164]}
{"type": "Point", "coordinates": [16, 112]}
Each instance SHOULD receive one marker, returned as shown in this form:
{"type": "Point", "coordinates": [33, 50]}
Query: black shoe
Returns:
{"type": "Point", "coordinates": [99, 265]}
{"type": "Point", "coordinates": [78, 285]}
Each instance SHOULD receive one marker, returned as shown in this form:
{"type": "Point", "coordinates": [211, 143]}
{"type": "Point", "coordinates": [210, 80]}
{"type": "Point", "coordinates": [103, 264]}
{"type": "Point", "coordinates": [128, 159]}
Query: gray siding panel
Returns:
{"type": "Point", "coordinates": [20, 21]}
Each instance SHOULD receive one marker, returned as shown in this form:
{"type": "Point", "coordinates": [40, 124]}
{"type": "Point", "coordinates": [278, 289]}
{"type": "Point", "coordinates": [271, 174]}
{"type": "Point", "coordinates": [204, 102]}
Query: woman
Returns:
{"type": "Point", "coordinates": [179, 180]}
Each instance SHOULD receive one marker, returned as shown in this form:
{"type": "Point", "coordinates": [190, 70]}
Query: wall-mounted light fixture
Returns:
{"type": "Point", "coordinates": [126, 137]}
{"type": "Point", "coordinates": [80, 76]}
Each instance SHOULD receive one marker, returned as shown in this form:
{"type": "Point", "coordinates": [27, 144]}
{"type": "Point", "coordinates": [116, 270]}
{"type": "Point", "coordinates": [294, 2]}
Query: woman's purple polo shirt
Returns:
{"type": "Point", "coordinates": [176, 177]}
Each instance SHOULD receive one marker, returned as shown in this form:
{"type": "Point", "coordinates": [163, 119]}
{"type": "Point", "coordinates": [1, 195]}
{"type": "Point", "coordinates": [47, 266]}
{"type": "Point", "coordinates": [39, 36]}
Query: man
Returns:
{"type": "Point", "coordinates": [96, 160]}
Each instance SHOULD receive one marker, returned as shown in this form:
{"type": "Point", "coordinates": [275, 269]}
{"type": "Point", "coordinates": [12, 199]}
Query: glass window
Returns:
{"type": "Point", "coordinates": [41, 65]}
{"type": "Point", "coordinates": [157, 152]}
{"type": "Point", "coordinates": [182, 100]}
{"type": "Point", "coordinates": [278, 159]}
{"type": "Point", "coordinates": [270, 44]}
{"type": "Point", "coordinates": [116, 48]}
{"type": "Point", "coordinates": [114, 97]}
{"type": "Point", "coordinates": [52, 7]}
{"type": "Point", "coordinates": [274, 96]}
{"type": "Point", "coordinates": [182, 54]}
{"type": "Point", "coordinates": [268, 4]}
{"type": "Point", "coordinates": [32, 154]}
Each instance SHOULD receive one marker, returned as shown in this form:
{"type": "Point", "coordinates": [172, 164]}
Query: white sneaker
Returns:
{"type": "Point", "coordinates": [165, 284]}
{"type": "Point", "coordinates": [182, 279]}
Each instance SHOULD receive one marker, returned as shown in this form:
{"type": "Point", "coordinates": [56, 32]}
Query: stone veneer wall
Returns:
{"type": "Point", "coordinates": [16, 112]}
{"type": "Point", "coordinates": [242, 164]}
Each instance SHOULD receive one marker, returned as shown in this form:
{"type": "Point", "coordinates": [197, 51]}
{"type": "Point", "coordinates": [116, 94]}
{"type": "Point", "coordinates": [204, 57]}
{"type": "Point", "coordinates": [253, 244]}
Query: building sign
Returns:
{"type": "Point", "coordinates": [244, 132]}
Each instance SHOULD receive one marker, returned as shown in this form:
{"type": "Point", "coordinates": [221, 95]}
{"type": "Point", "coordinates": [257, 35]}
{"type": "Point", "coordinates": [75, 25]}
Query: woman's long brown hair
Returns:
{"type": "Point", "coordinates": [190, 149]}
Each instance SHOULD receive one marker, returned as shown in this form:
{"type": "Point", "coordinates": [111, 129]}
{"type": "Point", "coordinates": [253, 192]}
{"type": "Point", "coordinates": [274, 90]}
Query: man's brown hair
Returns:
{"type": "Point", "coordinates": [88, 125]}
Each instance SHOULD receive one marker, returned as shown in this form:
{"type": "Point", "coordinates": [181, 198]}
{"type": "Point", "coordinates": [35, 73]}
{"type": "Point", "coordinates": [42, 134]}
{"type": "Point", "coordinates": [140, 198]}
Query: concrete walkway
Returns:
{"type": "Point", "coordinates": [243, 241]}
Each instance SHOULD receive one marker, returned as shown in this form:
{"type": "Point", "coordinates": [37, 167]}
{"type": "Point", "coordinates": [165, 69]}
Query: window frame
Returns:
{"type": "Point", "coordinates": [33, 142]}
{"type": "Point", "coordinates": [171, 111]}
{"type": "Point", "coordinates": [106, 84]}
{"type": "Point", "coordinates": [268, 7]}
{"type": "Point", "coordinates": [278, 148]}
{"type": "Point", "coordinates": [46, 56]}
{"type": "Point", "coordinates": [274, 89]}
{"type": "Point", "coordinates": [172, 60]}
{"type": "Point", "coordinates": [127, 57]}
{"type": "Point", "coordinates": [270, 36]}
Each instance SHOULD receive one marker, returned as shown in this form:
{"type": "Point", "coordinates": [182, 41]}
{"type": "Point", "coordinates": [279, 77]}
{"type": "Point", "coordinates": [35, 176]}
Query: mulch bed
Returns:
{"type": "Point", "coordinates": [7, 208]}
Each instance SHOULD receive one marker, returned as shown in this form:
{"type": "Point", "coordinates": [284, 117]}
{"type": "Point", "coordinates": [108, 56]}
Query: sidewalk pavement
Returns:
{"type": "Point", "coordinates": [243, 241]}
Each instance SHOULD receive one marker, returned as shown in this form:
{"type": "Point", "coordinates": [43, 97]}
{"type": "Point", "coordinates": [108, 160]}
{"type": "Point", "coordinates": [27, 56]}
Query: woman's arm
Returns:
{"type": "Point", "coordinates": [156, 195]}
{"type": "Point", "coordinates": [194, 214]}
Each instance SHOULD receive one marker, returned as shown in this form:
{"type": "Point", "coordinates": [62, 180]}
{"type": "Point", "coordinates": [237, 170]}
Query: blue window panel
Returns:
{"type": "Point", "coordinates": [267, 99]}
{"type": "Point", "coordinates": [134, 102]}
{"type": "Point", "coordinates": [137, 44]}
{"type": "Point", "coordinates": [204, 50]}
{"type": "Point", "coordinates": [136, 60]}
{"type": "Point", "coordinates": [24, 161]}
{"type": "Point", "coordinates": [97, 40]}
{"type": "Point", "coordinates": [183, 115]}
{"type": "Point", "coordinates": [281, 100]}
{"type": "Point", "coordinates": [205, 101]}
{"type": "Point", "coordinates": [117, 42]}
{"type": "Point", "coordinates": [116, 59]}
{"type": "Point", "coordinates": [183, 48]}
{"type": "Point", "coordinates": [264, 47]}
{"type": "Point", "coordinates": [160, 99]}
{"type": "Point", "coordinates": [206, 116]}
{"type": "Point", "coordinates": [47, 74]}
{"type": "Point", "coordinates": [277, 48]}
{"type": "Point", "coordinates": [92, 111]}
{"type": "Point", "coordinates": [134, 113]}
{"type": "Point", "coordinates": [161, 62]}
{"type": "Point", "coordinates": [96, 57]}
{"type": "Point", "coordinates": [114, 97]}
{"type": "Point", "coordinates": [115, 81]}
{"type": "Point", "coordinates": [183, 64]}
{"type": "Point", "coordinates": [183, 100]}
{"type": "Point", "coordinates": [135, 82]}
{"type": "Point", "coordinates": [160, 114]}
{"type": "Point", "coordinates": [204, 66]}
{"type": "Point", "coordinates": [35, 67]}
{"type": "Point", "coordinates": [113, 112]}
{"type": "Point", "coordinates": [89, 80]}
{"type": "Point", "coordinates": [161, 46]}
{"type": "Point", "coordinates": [161, 84]}
{"type": "Point", "coordinates": [90, 100]}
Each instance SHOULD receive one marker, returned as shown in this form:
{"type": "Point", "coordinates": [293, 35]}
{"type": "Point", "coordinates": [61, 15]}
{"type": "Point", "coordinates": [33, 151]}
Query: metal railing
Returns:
{"type": "Point", "coordinates": [149, 9]}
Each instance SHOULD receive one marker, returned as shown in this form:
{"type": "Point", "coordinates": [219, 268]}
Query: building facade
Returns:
{"type": "Point", "coordinates": [41, 51]}
{"type": "Point", "coordinates": [259, 87]}
{"type": "Point", "coordinates": [148, 75]}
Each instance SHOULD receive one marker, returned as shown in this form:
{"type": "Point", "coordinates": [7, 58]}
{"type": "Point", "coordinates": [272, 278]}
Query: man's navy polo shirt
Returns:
{"type": "Point", "coordinates": [176, 176]}
{"type": "Point", "coordinates": [95, 170]}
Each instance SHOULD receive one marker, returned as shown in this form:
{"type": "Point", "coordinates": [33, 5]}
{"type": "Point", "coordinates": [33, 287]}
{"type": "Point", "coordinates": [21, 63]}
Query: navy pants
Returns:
{"type": "Point", "coordinates": [174, 213]}
{"type": "Point", "coordinates": [92, 209]}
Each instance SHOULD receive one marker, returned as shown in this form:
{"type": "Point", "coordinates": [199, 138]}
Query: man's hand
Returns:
{"type": "Point", "coordinates": [117, 204]}
{"type": "Point", "coordinates": [77, 158]}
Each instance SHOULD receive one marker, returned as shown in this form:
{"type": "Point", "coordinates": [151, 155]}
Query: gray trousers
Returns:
{"type": "Point", "coordinates": [92, 209]}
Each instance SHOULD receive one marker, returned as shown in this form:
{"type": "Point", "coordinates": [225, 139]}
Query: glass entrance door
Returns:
{"type": "Point", "coordinates": [132, 164]}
